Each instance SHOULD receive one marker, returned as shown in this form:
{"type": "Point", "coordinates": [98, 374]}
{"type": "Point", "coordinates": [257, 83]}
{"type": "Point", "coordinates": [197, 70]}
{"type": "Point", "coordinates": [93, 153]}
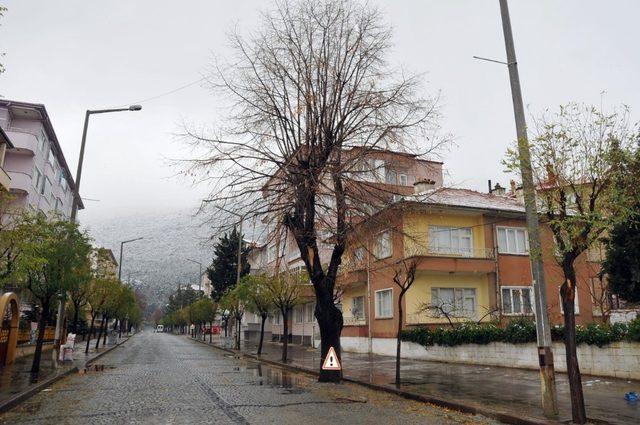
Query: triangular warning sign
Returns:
{"type": "Point", "coordinates": [331, 362]}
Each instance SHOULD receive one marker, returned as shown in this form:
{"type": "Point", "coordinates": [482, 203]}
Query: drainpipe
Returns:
{"type": "Point", "coordinates": [369, 315]}
{"type": "Point", "coordinates": [495, 255]}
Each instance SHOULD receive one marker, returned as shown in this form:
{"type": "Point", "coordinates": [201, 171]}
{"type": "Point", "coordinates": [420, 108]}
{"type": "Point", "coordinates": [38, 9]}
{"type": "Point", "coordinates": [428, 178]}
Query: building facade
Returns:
{"type": "Point", "coordinates": [5, 143]}
{"type": "Point", "coordinates": [40, 179]}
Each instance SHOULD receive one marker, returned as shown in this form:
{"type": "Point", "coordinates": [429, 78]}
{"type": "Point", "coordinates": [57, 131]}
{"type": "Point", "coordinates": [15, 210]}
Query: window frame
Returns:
{"type": "Point", "coordinates": [298, 314]}
{"type": "Point", "coordinates": [378, 248]}
{"type": "Point", "coordinates": [378, 313]}
{"type": "Point", "coordinates": [362, 315]}
{"type": "Point", "coordinates": [433, 243]}
{"type": "Point", "coordinates": [406, 179]}
{"type": "Point", "coordinates": [507, 249]}
{"type": "Point", "coordinates": [511, 288]}
{"type": "Point", "coordinates": [461, 308]}
{"type": "Point", "coordinates": [309, 309]}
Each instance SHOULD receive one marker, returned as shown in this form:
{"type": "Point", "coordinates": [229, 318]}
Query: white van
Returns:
{"type": "Point", "coordinates": [160, 328]}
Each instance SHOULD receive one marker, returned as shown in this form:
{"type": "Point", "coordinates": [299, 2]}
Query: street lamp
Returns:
{"type": "Point", "coordinates": [200, 275]}
{"type": "Point", "coordinates": [76, 201]}
{"type": "Point", "coordinates": [76, 192]}
{"type": "Point", "coordinates": [121, 247]}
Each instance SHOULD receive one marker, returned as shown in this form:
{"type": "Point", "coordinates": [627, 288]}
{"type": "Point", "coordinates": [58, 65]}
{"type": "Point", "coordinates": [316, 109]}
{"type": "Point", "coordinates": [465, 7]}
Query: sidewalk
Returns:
{"type": "Point", "coordinates": [515, 392]}
{"type": "Point", "coordinates": [16, 379]}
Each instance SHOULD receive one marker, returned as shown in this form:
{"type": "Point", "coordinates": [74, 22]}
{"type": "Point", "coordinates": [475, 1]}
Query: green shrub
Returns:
{"type": "Point", "coordinates": [633, 330]}
{"type": "Point", "coordinates": [519, 331]}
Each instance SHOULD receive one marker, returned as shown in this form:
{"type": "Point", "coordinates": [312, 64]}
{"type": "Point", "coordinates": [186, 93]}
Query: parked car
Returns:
{"type": "Point", "coordinates": [215, 330]}
{"type": "Point", "coordinates": [159, 328]}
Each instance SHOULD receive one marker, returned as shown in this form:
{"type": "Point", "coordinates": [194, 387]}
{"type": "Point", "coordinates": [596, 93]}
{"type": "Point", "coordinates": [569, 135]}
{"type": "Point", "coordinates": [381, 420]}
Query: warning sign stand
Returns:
{"type": "Point", "coordinates": [331, 362]}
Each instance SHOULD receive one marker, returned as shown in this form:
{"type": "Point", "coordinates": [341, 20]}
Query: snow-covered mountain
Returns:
{"type": "Point", "coordinates": [157, 263]}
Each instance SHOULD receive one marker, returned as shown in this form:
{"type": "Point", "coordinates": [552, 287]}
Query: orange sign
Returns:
{"type": "Point", "coordinates": [331, 362]}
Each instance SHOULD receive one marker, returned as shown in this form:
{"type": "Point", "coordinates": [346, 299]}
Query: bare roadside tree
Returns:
{"type": "Point", "coordinates": [575, 156]}
{"type": "Point", "coordinates": [404, 275]}
{"type": "Point", "coordinates": [311, 96]}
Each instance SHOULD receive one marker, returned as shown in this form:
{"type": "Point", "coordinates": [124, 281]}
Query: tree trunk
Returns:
{"type": "Point", "coordinates": [93, 320]}
{"type": "Point", "coordinates": [42, 325]}
{"type": "Point", "coordinates": [285, 331]}
{"type": "Point", "coordinates": [76, 318]}
{"type": "Point", "coordinates": [398, 341]}
{"type": "Point", "coordinates": [226, 332]}
{"type": "Point", "coordinates": [238, 322]}
{"type": "Point", "coordinates": [210, 331]}
{"type": "Point", "coordinates": [106, 331]}
{"type": "Point", "coordinates": [264, 319]}
{"type": "Point", "coordinates": [330, 324]}
{"type": "Point", "coordinates": [100, 332]}
{"type": "Point", "coordinates": [568, 291]}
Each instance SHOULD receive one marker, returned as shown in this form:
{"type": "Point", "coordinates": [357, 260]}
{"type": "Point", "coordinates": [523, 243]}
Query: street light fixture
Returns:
{"type": "Point", "coordinates": [121, 247]}
{"type": "Point", "coordinates": [76, 202]}
{"type": "Point", "coordinates": [76, 193]}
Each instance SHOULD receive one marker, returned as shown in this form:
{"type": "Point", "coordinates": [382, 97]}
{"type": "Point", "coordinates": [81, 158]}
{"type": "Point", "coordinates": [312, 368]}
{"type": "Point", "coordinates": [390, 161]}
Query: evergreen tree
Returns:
{"type": "Point", "coordinates": [224, 268]}
{"type": "Point", "coordinates": [622, 263]}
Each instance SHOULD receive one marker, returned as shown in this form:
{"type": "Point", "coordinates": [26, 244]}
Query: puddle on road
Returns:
{"type": "Point", "coordinates": [95, 368]}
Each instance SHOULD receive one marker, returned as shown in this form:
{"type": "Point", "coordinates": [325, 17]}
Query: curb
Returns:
{"type": "Point", "coordinates": [33, 390]}
{"type": "Point", "coordinates": [15, 400]}
{"type": "Point", "coordinates": [464, 408]}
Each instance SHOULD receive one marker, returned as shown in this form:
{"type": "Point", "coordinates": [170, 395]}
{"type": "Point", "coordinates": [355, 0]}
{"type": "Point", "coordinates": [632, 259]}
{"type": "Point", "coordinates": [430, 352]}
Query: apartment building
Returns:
{"type": "Point", "coordinates": [380, 175]}
{"type": "Point", "coordinates": [39, 175]}
{"type": "Point", "coordinates": [472, 263]}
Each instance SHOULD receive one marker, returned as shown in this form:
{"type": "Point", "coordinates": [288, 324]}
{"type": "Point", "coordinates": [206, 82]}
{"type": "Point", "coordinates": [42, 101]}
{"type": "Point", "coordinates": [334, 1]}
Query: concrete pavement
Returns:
{"type": "Point", "coordinates": [503, 390]}
{"type": "Point", "coordinates": [163, 378]}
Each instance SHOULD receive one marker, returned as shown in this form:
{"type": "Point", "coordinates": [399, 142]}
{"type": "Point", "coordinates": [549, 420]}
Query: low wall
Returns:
{"type": "Point", "coordinates": [619, 360]}
{"type": "Point", "coordinates": [28, 349]}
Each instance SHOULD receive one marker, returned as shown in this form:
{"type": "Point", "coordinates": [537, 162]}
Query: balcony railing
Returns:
{"type": "Point", "coordinates": [354, 321]}
{"type": "Point", "coordinates": [5, 180]}
{"type": "Point", "coordinates": [441, 251]}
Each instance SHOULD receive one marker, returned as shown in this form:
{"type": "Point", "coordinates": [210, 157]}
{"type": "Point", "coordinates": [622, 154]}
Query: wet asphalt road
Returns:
{"type": "Point", "coordinates": [168, 379]}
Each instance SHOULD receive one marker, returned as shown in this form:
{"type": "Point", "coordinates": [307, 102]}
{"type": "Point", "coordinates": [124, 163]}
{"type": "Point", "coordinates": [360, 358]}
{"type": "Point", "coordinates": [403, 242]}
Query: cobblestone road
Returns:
{"type": "Point", "coordinates": [168, 379]}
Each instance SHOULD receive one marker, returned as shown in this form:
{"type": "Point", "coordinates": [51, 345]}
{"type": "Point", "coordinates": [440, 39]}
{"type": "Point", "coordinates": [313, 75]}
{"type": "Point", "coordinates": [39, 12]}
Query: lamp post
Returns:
{"type": "Point", "coordinates": [543, 331]}
{"type": "Point", "coordinates": [121, 248]}
{"type": "Point", "coordinates": [76, 192]}
{"type": "Point", "coordinates": [76, 201]}
{"type": "Point", "coordinates": [200, 275]}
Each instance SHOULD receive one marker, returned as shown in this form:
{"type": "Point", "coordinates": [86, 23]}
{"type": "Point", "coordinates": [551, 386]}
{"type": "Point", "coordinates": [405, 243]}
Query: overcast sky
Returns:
{"type": "Point", "coordinates": [76, 54]}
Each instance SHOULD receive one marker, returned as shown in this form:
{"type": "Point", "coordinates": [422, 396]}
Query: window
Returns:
{"type": "Point", "coordinates": [271, 253]}
{"type": "Point", "coordinates": [51, 157]}
{"type": "Point", "coordinates": [450, 240]}
{"type": "Point", "coordinates": [576, 303]}
{"type": "Point", "coordinates": [454, 301]}
{"type": "Point", "coordinates": [309, 310]}
{"type": "Point", "coordinates": [38, 179]}
{"type": "Point", "coordinates": [42, 141]}
{"type": "Point", "coordinates": [276, 319]}
{"type": "Point", "coordinates": [384, 247]}
{"type": "Point", "coordinates": [596, 252]}
{"type": "Point", "coordinates": [404, 179]}
{"type": "Point", "coordinates": [513, 240]}
{"type": "Point", "coordinates": [46, 188]}
{"type": "Point", "coordinates": [517, 300]}
{"type": "Point", "coordinates": [358, 254]}
{"type": "Point", "coordinates": [298, 314]}
{"type": "Point", "coordinates": [357, 307]}
{"type": "Point", "coordinates": [384, 307]}
{"type": "Point", "coordinates": [391, 177]}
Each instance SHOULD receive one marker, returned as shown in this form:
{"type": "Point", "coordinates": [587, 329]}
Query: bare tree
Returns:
{"type": "Point", "coordinates": [575, 156]}
{"type": "Point", "coordinates": [284, 293]}
{"type": "Point", "coordinates": [312, 95]}
{"type": "Point", "coordinates": [404, 275]}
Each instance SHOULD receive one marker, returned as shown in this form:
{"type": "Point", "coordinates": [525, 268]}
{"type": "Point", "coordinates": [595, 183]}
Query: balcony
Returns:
{"type": "Point", "coordinates": [354, 321]}
{"type": "Point", "coordinates": [5, 180]}
{"type": "Point", "coordinates": [449, 259]}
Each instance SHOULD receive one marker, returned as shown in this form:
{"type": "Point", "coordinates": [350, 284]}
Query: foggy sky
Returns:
{"type": "Point", "coordinates": [73, 55]}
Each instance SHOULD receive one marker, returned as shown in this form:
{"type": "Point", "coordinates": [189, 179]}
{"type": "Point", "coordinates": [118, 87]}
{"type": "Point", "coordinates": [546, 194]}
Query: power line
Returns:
{"type": "Point", "coordinates": [149, 99]}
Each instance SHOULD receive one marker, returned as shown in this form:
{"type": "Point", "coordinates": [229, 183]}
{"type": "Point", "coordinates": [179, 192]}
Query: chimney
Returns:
{"type": "Point", "coordinates": [422, 186]}
{"type": "Point", "coordinates": [498, 190]}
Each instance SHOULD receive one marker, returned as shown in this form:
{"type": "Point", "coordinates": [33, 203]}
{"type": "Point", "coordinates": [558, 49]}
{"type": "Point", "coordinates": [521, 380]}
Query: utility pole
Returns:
{"type": "Point", "coordinates": [545, 354]}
